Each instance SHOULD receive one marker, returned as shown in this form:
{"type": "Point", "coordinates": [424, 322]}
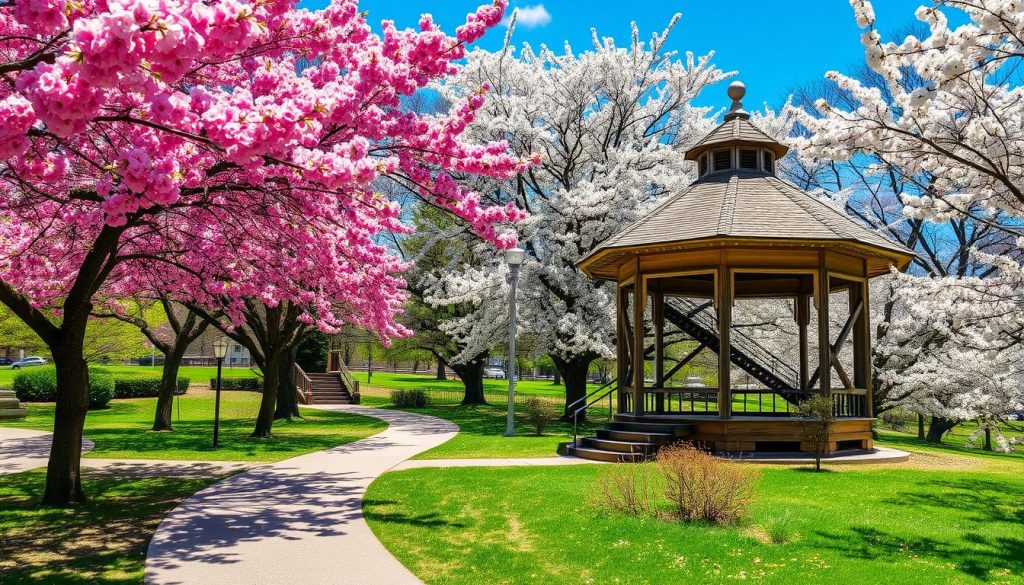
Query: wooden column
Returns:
{"type": "Point", "coordinates": [639, 304]}
{"type": "Point", "coordinates": [803, 319]}
{"type": "Point", "coordinates": [622, 356]}
{"type": "Point", "coordinates": [658, 315]}
{"type": "Point", "coordinates": [824, 342]}
{"type": "Point", "coordinates": [724, 346]}
{"type": "Point", "coordinates": [862, 344]}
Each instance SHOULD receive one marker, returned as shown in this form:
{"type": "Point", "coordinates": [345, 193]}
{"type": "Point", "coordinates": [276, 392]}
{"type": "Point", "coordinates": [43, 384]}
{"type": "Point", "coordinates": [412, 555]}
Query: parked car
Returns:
{"type": "Point", "coordinates": [6, 361]}
{"type": "Point", "coordinates": [1015, 416]}
{"type": "Point", "coordinates": [495, 372]}
{"type": "Point", "coordinates": [28, 362]}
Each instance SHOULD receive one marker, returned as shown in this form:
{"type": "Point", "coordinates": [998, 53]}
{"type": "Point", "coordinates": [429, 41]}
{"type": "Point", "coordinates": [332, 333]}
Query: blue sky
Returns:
{"type": "Point", "coordinates": [773, 45]}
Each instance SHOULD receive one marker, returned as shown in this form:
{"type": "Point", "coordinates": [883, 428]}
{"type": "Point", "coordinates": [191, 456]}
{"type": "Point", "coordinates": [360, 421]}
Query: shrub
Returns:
{"type": "Point", "coordinates": [897, 419]}
{"type": "Point", "coordinates": [815, 418]}
{"type": "Point", "coordinates": [101, 387]}
{"type": "Point", "coordinates": [538, 414]}
{"type": "Point", "coordinates": [779, 528]}
{"type": "Point", "coordinates": [249, 383]}
{"type": "Point", "coordinates": [410, 398]}
{"type": "Point", "coordinates": [628, 489]}
{"type": "Point", "coordinates": [40, 385]}
{"type": "Point", "coordinates": [144, 387]}
{"type": "Point", "coordinates": [700, 486]}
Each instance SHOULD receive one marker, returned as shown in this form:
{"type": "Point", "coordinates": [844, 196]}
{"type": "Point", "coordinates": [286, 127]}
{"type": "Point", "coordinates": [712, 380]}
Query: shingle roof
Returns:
{"type": "Point", "coordinates": [737, 131]}
{"type": "Point", "coordinates": [745, 204]}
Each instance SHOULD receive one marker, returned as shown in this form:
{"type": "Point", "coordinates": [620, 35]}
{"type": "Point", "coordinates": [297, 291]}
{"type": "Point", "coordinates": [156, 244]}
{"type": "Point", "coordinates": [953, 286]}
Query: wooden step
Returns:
{"type": "Point", "coordinates": [676, 430]}
{"type": "Point", "coordinates": [609, 456]}
{"type": "Point", "coordinates": [635, 436]}
{"type": "Point", "coordinates": [620, 446]}
{"type": "Point", "coordinates": [332, 401]}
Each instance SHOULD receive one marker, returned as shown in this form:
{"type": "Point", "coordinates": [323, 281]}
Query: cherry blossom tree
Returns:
{"type": "Point", "coordinates": [611, 124]}
{"type": "Point", "coordinates": [940, 122]}
{"type": "Point", "coordinates": [184, 140]}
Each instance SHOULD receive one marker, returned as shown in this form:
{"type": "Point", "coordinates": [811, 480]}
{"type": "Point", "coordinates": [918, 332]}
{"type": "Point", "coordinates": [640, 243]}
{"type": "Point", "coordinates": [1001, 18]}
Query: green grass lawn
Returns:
{"type": "Point", "coordinates": [101, 542]}
{"type": "Point", "coordinates": [403, 381]}
{"type": "Point", "coordinates": [480, 432]}
{"type": "Point", "coordinates": [197, 374]}
{"type": "Point", "coordinates": [122, 430]}
{"type": "Point", "coordinates": [886, 524]}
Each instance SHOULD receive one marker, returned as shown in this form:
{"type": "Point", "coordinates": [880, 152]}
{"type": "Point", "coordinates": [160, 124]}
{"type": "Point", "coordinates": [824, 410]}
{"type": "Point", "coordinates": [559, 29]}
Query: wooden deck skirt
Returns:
{"type": "Point", "coordinates": [762, 433]}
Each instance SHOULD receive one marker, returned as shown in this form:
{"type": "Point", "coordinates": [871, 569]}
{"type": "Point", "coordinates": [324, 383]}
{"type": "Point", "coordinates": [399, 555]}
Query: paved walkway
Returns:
{"type": "Point", "coordinates": [25, 449]}
{"type": "Point", "coordinates": [512, 462]}
{"type": "Point", "coordinates": [298, 520]}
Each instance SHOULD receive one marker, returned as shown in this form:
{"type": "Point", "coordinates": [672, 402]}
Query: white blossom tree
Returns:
{"type": "Point", "coordinates": [935, 129]}
{"type": "Point", "coordinates": [610, 125]}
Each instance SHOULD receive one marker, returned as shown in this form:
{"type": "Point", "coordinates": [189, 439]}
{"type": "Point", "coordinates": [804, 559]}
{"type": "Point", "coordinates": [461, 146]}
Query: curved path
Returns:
{"type": "Point", "coordinates": [299, 520]}
{"type": "Point", "coordinates": [25, 449]}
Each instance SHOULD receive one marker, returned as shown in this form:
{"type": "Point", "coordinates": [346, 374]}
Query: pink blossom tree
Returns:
{"type": "Point", "coordinates": [224, 151]}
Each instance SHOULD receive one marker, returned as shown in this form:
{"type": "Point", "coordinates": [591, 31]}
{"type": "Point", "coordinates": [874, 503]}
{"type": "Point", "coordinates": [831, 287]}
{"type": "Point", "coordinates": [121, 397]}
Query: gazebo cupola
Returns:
{"type": "Point", "coordinates": [740, 234]}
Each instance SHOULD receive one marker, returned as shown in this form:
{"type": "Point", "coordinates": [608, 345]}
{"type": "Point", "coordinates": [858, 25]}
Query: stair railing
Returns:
{"type": "Point", "coordinates": [583, 403]}
{"type": "Point", "coordinates": [741, 342]}
{"type": "Point", "coordinates": [303, 385]}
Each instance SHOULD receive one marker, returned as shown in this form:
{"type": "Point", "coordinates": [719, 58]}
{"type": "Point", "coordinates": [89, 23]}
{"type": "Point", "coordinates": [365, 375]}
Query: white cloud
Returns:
{"type": "Point", "coordinates": [530, 16]}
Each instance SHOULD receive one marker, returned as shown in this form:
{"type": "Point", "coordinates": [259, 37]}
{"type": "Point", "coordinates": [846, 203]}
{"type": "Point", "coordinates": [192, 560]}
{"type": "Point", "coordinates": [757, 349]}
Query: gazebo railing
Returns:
{"type": "Point", "coordinates": [847, 403]}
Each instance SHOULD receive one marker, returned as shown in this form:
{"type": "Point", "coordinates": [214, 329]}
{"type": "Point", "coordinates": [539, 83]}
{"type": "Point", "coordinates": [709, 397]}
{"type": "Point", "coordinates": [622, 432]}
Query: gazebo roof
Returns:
{"type": "Point", "coordinates": [743, 207]}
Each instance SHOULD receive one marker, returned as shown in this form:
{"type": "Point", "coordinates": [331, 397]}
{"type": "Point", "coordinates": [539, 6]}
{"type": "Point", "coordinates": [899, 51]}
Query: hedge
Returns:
{"type": "Point", "coordinates": [39, 384]}
{"type": "Point", "coordinates": [144, 387]}
{"type": "Point", "coordinates": [251, 383]}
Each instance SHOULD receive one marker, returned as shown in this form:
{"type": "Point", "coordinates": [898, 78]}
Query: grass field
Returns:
{"type": "Point", "coordinates": [101, 542]}
{"type": "Point", "coordinates": [122, 430]}
{"type": "Point", "coordinates": [403, 381]}
{"type": "Point", "coordinates": [941, 518]}
{"type": "Point", "coordinates": [480, 432]}
{"type": "Point", "coordinates": [197, 374]}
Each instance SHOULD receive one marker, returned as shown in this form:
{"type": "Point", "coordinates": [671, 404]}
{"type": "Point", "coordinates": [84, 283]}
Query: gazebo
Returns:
{"type": "Point", "coordinates": [738, 233]}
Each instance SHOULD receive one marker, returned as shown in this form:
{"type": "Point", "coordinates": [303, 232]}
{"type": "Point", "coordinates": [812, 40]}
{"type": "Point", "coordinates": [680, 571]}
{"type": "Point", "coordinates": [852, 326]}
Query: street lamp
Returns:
{"type": "Point", "coordinates": [514, 258]}
{"type": "Point", "coordinates": [220, 351]}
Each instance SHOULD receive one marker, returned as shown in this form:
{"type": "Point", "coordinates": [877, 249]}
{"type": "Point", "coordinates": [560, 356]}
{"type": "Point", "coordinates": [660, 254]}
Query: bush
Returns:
{"type": "Point", "coordinates": [779, 528]}
{"type": "Point", "coordinates": [629, 489]}
{"type": "Point", "coordinates": [40, 385]}
{"type": "Point", "coordinates": [101, 387]}
{"type": "Point", "coordinates": [700, 486]}
{"type": "Point", "coordinates": [538, 414]}
{"type": "Point", "coordinates": [897, 419]}
{"type": "Point", "coordinates": [410, 398]}
{"type": "Point", "coordinates": [815, 418]}
{"type": "Point", "coordinates": [144, 387]}
{"type": "Point", "coordinates": [251, 383]}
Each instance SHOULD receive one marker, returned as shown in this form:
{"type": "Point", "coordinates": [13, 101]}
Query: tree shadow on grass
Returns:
{"type": "Point", "coordinates": [431, 520]}
{"type": "Point", "coordinates": [102, 541]}
{"type": "Point", "coordinates": [981, 502]}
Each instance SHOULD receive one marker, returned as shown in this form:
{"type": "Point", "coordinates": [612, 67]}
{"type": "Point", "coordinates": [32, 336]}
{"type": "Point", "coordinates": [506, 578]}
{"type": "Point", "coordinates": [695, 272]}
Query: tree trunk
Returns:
{"type": "Point", "coordinates": [287, 402]}
{"type": "Point", "coordinates": [558, 377]}
{"type": "Point", "coordinates": [574, 372]}
{"type": "Point", "coordinates": [63, 472]}
{"type": "Point", "coordinates": [938, 428]}
{"type": "Point", "coordinates": [988, 438]}
{"type": "Point", "coordinates": [472, 375]}
{"type": "Point", "coordinates": [920, 426]}
{"type": "Point", "coordinates": [168, 386]}
{"type": "Point", "coordinates": [268, 404]}
{"type": "Point", "coordinates": [441, 374]}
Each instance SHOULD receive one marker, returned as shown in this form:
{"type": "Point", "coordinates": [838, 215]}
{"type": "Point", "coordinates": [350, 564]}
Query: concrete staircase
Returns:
{"type": "Point", "coordinates": [628, 441]}
{"type": "Point", "coordinates": [10, 408]}
{"type": "Point", "coordinates": [328, 389]}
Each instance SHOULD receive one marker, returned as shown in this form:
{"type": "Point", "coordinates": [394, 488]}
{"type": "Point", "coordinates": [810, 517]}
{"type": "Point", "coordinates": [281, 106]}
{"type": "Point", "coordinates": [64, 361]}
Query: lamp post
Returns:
{"type": "Point", "coordinates": [514, 258]}
{"type": "Point", "coordinates": [220, 351]}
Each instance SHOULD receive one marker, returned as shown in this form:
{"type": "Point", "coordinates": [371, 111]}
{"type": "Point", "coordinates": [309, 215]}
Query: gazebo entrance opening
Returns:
{"type": "Point", "coordinates": [690, 316]}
